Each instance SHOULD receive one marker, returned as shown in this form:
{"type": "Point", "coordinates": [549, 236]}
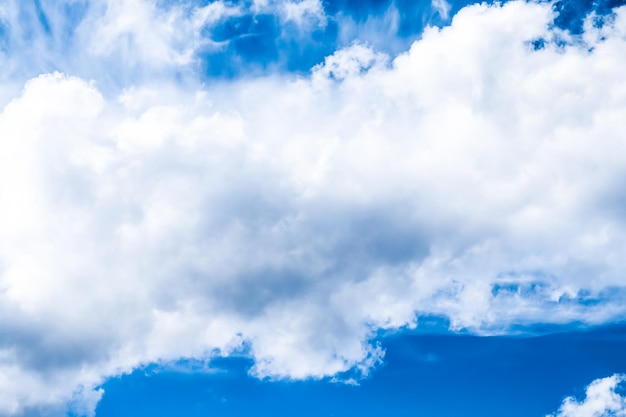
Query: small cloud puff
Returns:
{"type": "Point", "coordinates": [350, 62]}
{"type": "Point", "coordinates": [304, 12]}
{"type": "Point", "coordinates": [602, 399]}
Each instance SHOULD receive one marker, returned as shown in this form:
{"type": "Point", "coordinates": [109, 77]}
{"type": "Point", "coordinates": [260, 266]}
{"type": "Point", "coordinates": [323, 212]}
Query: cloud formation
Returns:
{"type": "Point", "coordinates": [602, 399]}
{"type": "Point", "coordinates": [476, 176]}
{"type": "Point", "coordinates": [123, 42]}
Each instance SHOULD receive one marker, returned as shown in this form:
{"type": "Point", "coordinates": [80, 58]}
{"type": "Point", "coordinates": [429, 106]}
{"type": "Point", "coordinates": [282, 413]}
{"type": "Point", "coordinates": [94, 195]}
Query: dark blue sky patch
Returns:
{"type": "Point", "coordinates": [41, 16]}
{"type": "Point", "coordinates": [423, 374]}
{"type": "Point", "coordinates": [538, 44]}
{"type": "Point", "coordinates": [238, 26]}
{"type": "Point", "coordinates": [4, 36]}
{"type": "Point", "coordinates": [249, 44]}
{"type": "Point", "coordinates": [572, 13]}
{"type": "Point", "coordinates": [359, 10]}
{"type": "Point", "coordinates": [254, 44]}
{"type": "Point", "coordinates": [262, 43]}
{"type": "Point", "coordinates": [415, 16]}
{"type": "Point", "coordinates": [300, 51]}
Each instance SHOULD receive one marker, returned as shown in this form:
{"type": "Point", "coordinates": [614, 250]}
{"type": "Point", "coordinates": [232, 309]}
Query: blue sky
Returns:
{"type": "Point", "coordinates": [280, 207]}
{"type": "Point", "coordinates": [423, 374]}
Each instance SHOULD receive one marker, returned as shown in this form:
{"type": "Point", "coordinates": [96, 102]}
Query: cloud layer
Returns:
{"type": "Point", "coordinates": [122, 42]}
{"type": "Point", "coordinates": [477, 176]}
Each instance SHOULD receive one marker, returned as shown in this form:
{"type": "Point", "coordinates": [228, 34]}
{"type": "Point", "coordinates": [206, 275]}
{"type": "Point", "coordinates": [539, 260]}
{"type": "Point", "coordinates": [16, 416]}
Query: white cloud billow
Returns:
{"type": "Point", "coordinates": [472, 177]}
{"type": "Point", "coordinates": [602, 399]}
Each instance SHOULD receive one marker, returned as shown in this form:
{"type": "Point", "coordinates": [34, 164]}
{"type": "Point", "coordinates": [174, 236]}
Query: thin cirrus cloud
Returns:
{"type": "Point", "coordinates": [147, 218]}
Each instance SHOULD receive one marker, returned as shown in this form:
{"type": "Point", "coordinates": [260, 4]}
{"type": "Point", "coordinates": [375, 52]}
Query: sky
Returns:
{"type": "Point", "coordinates": [307, 207]}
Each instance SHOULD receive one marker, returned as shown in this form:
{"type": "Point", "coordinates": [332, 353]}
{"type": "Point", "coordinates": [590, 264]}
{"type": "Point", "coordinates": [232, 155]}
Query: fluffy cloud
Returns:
{"type": "Point", "coordinates": [477, 176]}
{"type": "Point", "coordinates": [602, 399]}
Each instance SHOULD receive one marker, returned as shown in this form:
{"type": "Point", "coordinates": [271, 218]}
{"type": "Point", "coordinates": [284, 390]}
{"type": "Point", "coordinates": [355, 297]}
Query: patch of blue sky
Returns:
{"type": "Point", "coordinates": [571, 14]}
{"type": "Point", "coordinates": [433, 374]}
{"type": "Point", "coordinates": [261, 43]}
{"type": "Point", "coordinates": [41, 17]}
{"type": "Point", "coordinates": [42, 34]}
{"type": "Point", "coordinates": [262, 40]}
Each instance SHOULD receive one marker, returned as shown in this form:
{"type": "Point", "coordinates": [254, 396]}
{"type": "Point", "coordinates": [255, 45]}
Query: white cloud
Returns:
{"type": "Point", "coordinates": [442, 7]}
{"type": "Point", "coordinates": [472, 177]}
{"type": "Point", "coordinates": [305, 12]}
{"type": "Point", "coordinates": [349, 62]}
{"type": "Point", "coordinates": [116, 42]}
{"type": "Point", "coordinates": [142, 33]}
{"type": "Point", "coordinates": [601, 400]}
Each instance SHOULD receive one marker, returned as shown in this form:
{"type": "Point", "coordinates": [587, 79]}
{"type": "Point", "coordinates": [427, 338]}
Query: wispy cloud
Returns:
{"type": "Point", "coordinates": [442, 7]}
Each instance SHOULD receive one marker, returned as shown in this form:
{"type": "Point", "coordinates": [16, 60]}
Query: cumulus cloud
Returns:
{"type": "Point", "coordinates": [477, 176]}
{"type": "Point", "coordinates": [602, 399]}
